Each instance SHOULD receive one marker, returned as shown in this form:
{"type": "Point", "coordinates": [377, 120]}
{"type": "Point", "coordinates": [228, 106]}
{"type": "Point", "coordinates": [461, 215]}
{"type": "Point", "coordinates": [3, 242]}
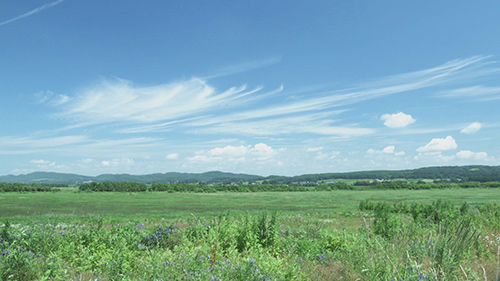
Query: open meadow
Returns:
{"type": "Point", "coordinates": [316, 235]}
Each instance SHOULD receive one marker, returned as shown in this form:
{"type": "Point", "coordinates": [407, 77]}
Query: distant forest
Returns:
{"type": "Point", "coordinates": [454, 174]}
{"type": "Point", "coordinates": [460, 173]}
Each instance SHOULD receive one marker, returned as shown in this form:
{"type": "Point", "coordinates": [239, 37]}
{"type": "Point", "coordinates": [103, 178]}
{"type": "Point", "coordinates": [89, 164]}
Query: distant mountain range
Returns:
{"type": "Point", "coordinates": [466, 173]}
{"type": "Point", "coordinates": [74, 179]}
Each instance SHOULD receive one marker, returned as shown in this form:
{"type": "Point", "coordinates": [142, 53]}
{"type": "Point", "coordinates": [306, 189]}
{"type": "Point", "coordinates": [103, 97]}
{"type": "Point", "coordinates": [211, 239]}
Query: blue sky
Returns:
{"type": "Point", "coordinates": [260, 87]}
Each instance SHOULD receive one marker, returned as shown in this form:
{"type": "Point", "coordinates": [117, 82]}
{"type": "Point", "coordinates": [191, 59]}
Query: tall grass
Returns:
{"type": "Point", "coordinates": [396, 241]}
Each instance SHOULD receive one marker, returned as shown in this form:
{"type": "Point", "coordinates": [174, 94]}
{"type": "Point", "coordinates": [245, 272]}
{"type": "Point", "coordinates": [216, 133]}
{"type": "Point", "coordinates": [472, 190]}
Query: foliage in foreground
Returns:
{"type": "Point", "coordinates": [402, 241]}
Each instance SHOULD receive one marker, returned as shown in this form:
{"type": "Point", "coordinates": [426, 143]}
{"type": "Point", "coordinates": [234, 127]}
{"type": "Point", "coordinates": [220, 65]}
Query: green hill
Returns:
{"type": "Point", "coordinates": [463, 173]}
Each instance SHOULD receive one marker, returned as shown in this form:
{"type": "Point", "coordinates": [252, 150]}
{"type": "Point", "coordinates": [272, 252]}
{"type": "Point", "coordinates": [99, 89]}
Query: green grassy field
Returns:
{"type": "Point", "coordinates": [157, 205]}
{"type": "Point", "coordinates": [70, 235]}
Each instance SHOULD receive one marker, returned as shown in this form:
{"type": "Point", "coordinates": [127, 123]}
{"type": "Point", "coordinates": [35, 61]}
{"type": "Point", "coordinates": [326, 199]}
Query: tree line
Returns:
{"type": "Point", "coordinates": [24, 187]}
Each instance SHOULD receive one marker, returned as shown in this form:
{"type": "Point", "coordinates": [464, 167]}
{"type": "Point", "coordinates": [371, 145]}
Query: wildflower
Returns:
{"type": "Point", "coordinates": [62, 232]}
{"type": "Point", "coordinates": [140, 224]}
{"type": "Point", "coordinates": [166, 263]}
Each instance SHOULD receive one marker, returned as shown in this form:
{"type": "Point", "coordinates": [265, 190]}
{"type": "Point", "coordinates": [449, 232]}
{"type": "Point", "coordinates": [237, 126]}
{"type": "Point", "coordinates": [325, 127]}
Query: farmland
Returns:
{"type": "Point", "coordinates": [317, 235]}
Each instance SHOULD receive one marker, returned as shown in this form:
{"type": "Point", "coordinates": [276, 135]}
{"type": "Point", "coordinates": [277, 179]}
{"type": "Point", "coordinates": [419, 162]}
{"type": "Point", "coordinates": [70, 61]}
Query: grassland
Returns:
{"type": "Point", "coordinates": [157, 205]}
{"type": "Point", "coordinates": [317, 235]}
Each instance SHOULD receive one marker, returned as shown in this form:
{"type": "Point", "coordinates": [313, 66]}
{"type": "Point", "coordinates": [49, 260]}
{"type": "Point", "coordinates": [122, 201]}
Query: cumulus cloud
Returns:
{"type": "Point", "coordinates": [467, 154]}
{"type": "Point", "coordinates": [262, 151]}
{"type": "Point", "coordinates": [397, 120]}
{"type": "Point", "coordinates": [327, 156]}
{"type": "Point", "coordinates": [433, 157]}
{"type": "Point", "coordinates": [314, 149]}
{"type": "Point", "coordinates": [229, 151]}
{"type": "Point", "coordinates": [472, 128]}
{"type": "Point", "coordinates": [172, 156]}
{"type": "Point", "coordinates": [47, 165]}
{"type": "Point", "coordinates": [86, 160]}
{"type": "Point", "coordinates": [117, 162]}
{"type": "Point", "coordinates": [436, 144]}
{"type": "Point", "coordinates": [464, 157]}
{"type": "Point", "coordinates": [391, 149]}
{"type": "Point", "coordinates": [43, 162]}
{"type": "Point", "coordinates": [258, 152]}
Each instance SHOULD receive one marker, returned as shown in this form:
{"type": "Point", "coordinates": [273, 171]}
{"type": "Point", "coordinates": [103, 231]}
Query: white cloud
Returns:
{"type": "Point", "coordinates": [199, 158]}
{"type": "Point", "coordinates": [196, 106]}
{"type": "Point", "coordinates": [229, 151]}
{"type": "Point", "coordinates": [467, 154]}
{"type": "Point", "coordinates": [172, 156]}
{"type": "Point", "coordinates": [479, 93]}
{"type": "Point", "coordinates": [327, 156]}
{"type": "Point", "coordinates": [121, 101]}
{"type": "Point", "coordinates": [433, 158]}
{"type": "Point", "coordinates": [390, 149]}
{"type": "Point", "coordinates": [262, 151]}
{"type": "Point", "coordinates": [314, 149]}
{"type": "Point", "coordinates": [52, 99]}
{"type": "Point", "coordinates": [32, 12]}
{"type": "Point", "coordinates": [304, 124]}
{"type": "Point", "coordinates": [463, 157]}
{"type": "Point", "coordinates": [397, 120]}
{"type": "Point", "coordinates": [118, 162]}
{"type": "Point", "coordinates": [87, 161]}
{"type": "Point", "coordinates": [471, 128]}
{"type": "Point", "coordinates": [439, 144]}
{"type": "Point", "coordinates": [43, 162]}
{"type": "Point", "coordinates": [259, 152]}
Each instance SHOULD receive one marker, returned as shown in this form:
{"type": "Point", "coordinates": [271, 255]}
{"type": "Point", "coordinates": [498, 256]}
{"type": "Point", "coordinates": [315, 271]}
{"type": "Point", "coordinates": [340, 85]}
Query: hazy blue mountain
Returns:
{"type": "Point", "coordinates": [73, 179]}
{"type": "Point", "coordinates": [466, 173]}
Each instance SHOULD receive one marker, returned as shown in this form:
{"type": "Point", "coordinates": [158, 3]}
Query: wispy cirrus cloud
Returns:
{"type": "Point", "coordinates": [479, 93]}
{"type": "Point", "coordinates": [122, 102]}
{"type": "Point", "coordinates": [77, 145]}
{"type": "Point", "coordinates": [303, 124]}
{"type": "Point", "coordinates": [196, 106]}
{"type": "Point", "coordinates": [32, 12]}
{"type": "Point", "coordinates": [242, 67]}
